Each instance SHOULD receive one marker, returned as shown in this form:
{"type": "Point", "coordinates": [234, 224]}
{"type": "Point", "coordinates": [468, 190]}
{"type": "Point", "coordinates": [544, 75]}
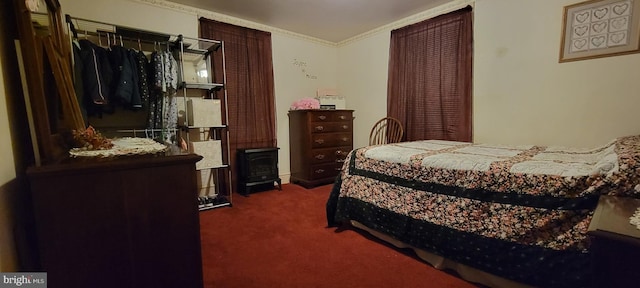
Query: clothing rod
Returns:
{"type": "Point", "coordinates": [147, 130]}
{"type": "Point", "coordinates": [128, 31]}
{"type": "Point", "coordinates": [109, 34]}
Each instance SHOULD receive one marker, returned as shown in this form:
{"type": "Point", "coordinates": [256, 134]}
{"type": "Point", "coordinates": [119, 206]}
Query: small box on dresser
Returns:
{"type": "Point", "coordinates": [319, 141]}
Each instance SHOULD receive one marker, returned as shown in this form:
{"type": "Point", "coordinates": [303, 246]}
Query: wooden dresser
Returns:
{"type": "Point", "coordinates": [615, 242]}
{"type": "Point", "coordinates": [319, 141]}
{"type": "Point", "coordinates": [130, 222]}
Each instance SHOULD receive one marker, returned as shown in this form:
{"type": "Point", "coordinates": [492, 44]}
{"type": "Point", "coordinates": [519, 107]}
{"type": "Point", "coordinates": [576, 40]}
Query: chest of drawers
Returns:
{"type": "Point", "coordinates": [319, 141]}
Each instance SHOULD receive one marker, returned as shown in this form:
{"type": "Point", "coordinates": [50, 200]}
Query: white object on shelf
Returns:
{"type": "Point", "coordinates": [204, 112]}
{"type": "Point", "coordinates": [330, 97]}
{"type": "Point", "coordinates": [206, 183]}
{"type": "Point", "coordinates": [211, 152]}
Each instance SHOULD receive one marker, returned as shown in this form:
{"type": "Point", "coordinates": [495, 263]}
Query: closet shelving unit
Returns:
{"type": "Point", "coordinates": [196, 83]}
{"type": "Point", "coordinates": [123, 123]}
{"type": "Point", "coordinates": [202, 124]}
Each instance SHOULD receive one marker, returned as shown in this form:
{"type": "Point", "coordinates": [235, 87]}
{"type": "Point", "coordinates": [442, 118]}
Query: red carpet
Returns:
{"type": "Point", "coordinates": [279, 239]}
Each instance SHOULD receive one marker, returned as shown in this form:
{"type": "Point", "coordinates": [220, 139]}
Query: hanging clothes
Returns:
{"type": "Point", "coordinates": [122, 77]}
{"type": "Point", "coordinates": [96, 78]}
{"type": "Point", "coordinates": [170, 73]}
{"type": "Point", "coordinates": [155, 72]}
{"type": "Point", "coordinates": [170, 103]}
{"type": "Point", "coordinates": [125, 87]}
{"type": "Point", "coordinates": [143, 80]}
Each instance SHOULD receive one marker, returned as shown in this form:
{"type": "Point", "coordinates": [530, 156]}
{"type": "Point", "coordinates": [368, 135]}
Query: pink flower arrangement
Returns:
{"type": "Point", "coordinates": [305, 103]}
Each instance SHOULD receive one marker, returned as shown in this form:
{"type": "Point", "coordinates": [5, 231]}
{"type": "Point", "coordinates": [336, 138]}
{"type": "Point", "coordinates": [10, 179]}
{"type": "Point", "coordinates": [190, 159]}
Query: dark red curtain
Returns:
{"type": "Point", "coordinates": [249, 85]}
{"type": "Point", "coordinates": [430, 77]}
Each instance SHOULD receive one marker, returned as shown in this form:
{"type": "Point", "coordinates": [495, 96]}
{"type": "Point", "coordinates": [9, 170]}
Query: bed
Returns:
{"type": "Point", "coordinates": [499, 215]}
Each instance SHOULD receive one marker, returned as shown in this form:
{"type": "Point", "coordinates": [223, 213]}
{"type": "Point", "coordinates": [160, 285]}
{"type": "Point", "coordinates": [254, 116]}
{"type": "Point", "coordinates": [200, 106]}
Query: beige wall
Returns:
{"type": "Point", "coordinates": [8, 258]}
{"type": "Point", "coordinates": [13, 146]}
{"type": "Point", "coordinates": [523, 95]}
{"type": "Point", "coordinates": [133, 14]}
{"type": "Point", "coordinates": [362, 70]}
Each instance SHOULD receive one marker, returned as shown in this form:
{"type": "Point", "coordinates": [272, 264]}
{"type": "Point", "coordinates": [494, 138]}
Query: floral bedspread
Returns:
{"type": "Point", "coordinates": [520, 212]}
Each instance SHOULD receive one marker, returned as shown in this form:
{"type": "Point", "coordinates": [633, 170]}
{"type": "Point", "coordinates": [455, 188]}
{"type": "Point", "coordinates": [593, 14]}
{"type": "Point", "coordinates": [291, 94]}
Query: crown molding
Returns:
{"type": "Point", "coordinates": [230, 19]}
{"type": "Point", "coordinates": [442, 9]}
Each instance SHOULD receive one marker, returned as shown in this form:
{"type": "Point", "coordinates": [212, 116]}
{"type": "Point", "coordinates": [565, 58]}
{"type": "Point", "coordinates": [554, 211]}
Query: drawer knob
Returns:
{"type": "Point", "coordinates": [319, 128]}
{"type": "Point", "coordinates": [345, 139]}
{"type": "Point", "coordinates": [320, 156]}
{"type": "Point", "coordinates": [319, 171]}
{"type": "Point", "coordinates": [319, 141]}
{"type": "Point", "coordinates": [338, 152]}
{"type": "Point", "coordinates": [342, 117]}
{"type": "Point", "coordinates": [322, 117]}
{"type": "Point", "coordinates": [345, 127]}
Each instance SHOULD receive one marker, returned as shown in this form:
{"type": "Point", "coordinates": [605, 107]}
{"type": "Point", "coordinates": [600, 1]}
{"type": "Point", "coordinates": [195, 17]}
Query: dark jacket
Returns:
{"type": "Point", "coordinates": [125, 88]}
{"type": "Point", "coordinates": [96, 77]}
{"type": "Point", "coordinates": [97, 72]}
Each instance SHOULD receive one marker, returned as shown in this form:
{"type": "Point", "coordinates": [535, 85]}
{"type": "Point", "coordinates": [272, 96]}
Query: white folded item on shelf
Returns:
{"type": "Point", "coordinates": [204, 112]}
{"type": "Point", "coordinates": [210, 150]}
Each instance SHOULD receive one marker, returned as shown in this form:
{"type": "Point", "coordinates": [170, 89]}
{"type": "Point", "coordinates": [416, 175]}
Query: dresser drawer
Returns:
{"type": "Point", "coordinates": [336, 154]}
{"type": "Point", "coordinates": [327, 140]}
{"type": "Point", "coordinates": [330, 116]}
{"type": "Point", "coordinates": [325, 170]}
{"type": "Point", "coordinates": [319, 127]}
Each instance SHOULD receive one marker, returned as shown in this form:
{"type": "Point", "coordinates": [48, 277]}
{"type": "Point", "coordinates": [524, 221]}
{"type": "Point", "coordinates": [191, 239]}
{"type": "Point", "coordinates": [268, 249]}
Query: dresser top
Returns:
{"type": "Point", "coordinates": [611, 218]}
{"type": "Point", "coordinates": [320, 110]}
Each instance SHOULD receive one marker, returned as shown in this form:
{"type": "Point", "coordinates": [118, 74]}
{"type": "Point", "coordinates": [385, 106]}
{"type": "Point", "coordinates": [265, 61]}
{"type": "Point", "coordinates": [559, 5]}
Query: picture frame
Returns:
{"type": "Point", "coordinates": [600, 28]}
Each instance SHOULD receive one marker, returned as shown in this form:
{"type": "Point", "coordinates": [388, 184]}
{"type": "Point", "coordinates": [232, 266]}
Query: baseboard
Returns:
{"type": "Point", "coordinates": [286, 178]}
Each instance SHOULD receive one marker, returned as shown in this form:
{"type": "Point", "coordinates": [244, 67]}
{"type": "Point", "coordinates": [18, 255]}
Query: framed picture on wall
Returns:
{"type": "Point", "coordinates": [600, 28]}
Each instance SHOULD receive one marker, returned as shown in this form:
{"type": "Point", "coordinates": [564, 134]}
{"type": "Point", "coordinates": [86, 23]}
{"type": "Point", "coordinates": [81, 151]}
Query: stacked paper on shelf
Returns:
{"type": "Point", "coordinates": [204, 112]}
{"type": "Point", "coordinates": [211, 152]}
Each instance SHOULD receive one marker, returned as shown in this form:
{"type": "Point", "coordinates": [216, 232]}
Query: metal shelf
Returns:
{"type": "Point", "coordinates": [197, 58]}
{"type": "Point", "coordinates": [203, 86]}
{"type": "Point", "coordinates": [207, 203]}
